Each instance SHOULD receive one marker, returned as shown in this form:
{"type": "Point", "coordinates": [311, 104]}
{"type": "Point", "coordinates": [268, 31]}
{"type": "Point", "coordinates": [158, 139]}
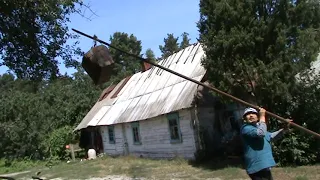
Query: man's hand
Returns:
{"type": "Point", "coordinates": [287, 126]}
{"type": "Point", "coordinates": [262, 115]}
{"type": "Point", "coordinates": [262, 112]}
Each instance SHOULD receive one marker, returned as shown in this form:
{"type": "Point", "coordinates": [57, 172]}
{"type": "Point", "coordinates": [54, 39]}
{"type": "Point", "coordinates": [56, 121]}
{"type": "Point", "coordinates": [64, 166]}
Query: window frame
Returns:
{"type": "Point", "coordinates": [113, 134]}
{"type": "Point", "coordinates": [137, 126]}
{"type": "Point", "coordinates": [174, 116]}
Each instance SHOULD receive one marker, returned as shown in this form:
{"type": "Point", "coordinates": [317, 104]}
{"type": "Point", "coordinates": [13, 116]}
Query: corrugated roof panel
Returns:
{"type": "Point", "coordinates": [139, 108]}
{"type": "Point", "coordinates": [194, 63]}
{"type": "Point", "coordinates": [186, 96]}
{"type": "Point", "coordinates": [94, 121]}
{"type": "Point", "coordinates": [130, 109]}
{"type": "Point", "coordinates": [88, 117]}
{"type": "Point", "coordinates": [181, 68]}
{"type": "Point", "coordinates": [154, 80]}
{"type": "Point", "coordinates": [114, 112]}
{"type": "Point", "coordinates": [174, 60]}
{"type": "Point", "coordinates": [141, 111]}
{"type": "Point", "coordinates": [172, 97]}
{"type": "Point", "coordinates": [153, 83]}
{"type": "Point", "coordinates": [153, 104]}
{"type": "Point", "coordinates": [187, 69]}
{"type": "Point", "coordinates": [198, 69]}
{"type": "Point", "coordinates": [192, 51]}
{"type": "Point", "coordinates": [119, 109]}
{"type": "Point", "coordinates": [169, 78]}
{"type": "Point", "coordinates": [162, 99]}
{"type": "Point", "coordinates": [176, 79]}
{"type": "Point", "coordinates": [145, 86]}
{"type": "Point", "coordinates": [137, 90]}
{"type": "Point", "coordinates": [195, 49]}
{"type": "Point", "coordinates": [128, 88]}
{"type": "Point", "coordinates": [167, 62]}
{"type": "Point", "coordinates": [107, 116]}
{"type": "Point", "coordinates": [163, 79]}
{"type": "Point", "coordinates": [165, 76]}
{"type": "Point", "coordinates": [158, 80]}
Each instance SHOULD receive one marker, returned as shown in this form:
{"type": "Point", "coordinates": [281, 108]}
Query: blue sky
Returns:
{"type": "Point", "coordinates": [149, 21]}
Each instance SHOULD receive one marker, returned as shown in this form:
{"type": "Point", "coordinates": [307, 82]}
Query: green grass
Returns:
{"type": "Point", "coordinates": [161, 169]}
{"type": "Point", "coordinates": [18, 165]}
{"type": "Point", "coordinates": [301, 178]}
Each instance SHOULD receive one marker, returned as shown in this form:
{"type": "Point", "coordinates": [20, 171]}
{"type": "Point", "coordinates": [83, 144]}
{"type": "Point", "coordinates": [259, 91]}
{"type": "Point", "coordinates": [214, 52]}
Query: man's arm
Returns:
{"type": "Point", "coordinates": [262, 126]}
{"type": "Point", "coordinates": [276, 134]}
{"type": "Point", "coordinates": [259, 131]}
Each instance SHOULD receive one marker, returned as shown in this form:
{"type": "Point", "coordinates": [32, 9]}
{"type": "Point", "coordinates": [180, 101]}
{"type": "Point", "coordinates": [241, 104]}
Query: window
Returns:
{"type": "Point", "coordinates": [136, 133]}
{"type": "Point", "coordinates": [174, 128]}
{"type": "Point", "coordinates": [111, 135]}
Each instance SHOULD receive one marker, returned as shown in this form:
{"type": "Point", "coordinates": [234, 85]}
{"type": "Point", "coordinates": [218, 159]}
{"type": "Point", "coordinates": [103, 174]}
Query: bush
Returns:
{"type": "Point", "coordinates": [295, 149]}
{"type": "Point", "coordinates": [56, 142]}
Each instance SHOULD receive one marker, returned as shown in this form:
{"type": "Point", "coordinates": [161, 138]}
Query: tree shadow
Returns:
{"type": "Point", "coordinates": [218, 163]}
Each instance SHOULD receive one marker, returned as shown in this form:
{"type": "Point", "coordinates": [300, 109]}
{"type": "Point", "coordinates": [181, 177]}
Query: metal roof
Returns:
{"type": "Point", "coordinates": [151, 93]}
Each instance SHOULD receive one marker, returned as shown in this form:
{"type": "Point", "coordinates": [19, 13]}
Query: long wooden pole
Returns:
{"type": "Point", "coordinates": [204, 85]}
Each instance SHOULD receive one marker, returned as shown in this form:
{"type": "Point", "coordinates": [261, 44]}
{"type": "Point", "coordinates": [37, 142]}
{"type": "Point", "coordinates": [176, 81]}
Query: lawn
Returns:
{"type": "Point", "coordinates": [139, 168]}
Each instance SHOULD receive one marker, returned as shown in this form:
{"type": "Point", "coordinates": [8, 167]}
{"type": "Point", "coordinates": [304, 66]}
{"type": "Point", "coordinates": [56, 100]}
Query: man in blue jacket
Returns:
{"type": "Point", "coordinates": [257, 148]}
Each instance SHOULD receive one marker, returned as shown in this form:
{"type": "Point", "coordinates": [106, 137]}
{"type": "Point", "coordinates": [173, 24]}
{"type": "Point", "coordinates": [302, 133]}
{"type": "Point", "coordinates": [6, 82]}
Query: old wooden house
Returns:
{"type": "Point", "coordinates": [157, 114]}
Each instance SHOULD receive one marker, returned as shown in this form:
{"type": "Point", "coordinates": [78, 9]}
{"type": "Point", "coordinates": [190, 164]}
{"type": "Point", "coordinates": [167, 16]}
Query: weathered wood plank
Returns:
{"type": "Point", "coordinates": [155, 138]}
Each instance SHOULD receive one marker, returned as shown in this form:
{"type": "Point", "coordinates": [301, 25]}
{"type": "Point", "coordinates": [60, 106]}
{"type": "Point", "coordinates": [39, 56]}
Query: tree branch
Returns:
{"type": "Point", "coordinates": [87, 6]}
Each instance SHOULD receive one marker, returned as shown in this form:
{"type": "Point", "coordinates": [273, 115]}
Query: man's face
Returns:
{"type": "Point", "coordinates": [251, 118]}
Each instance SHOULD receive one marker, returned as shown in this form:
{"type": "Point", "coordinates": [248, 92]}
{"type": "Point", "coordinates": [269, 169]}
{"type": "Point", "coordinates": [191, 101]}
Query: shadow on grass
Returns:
{"type": "Point", "coordinates": [137, 172]}
{"type": "Point", "coordinates": [218, 163]}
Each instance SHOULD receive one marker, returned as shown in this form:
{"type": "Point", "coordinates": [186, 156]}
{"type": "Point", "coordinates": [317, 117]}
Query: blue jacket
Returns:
{"type": "Point", "coordinates": [257, 147]}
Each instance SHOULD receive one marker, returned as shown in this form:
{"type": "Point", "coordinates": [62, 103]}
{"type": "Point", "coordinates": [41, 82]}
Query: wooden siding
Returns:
{"type": "Point", "coordinates": [118, 147]}
{"type": "Point", "coordinates": [155, 138]}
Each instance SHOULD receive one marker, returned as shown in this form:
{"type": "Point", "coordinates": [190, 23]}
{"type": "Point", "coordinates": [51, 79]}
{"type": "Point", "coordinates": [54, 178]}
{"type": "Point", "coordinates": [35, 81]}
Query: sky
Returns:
{"type": "Point", "coordinates": [149, 21]}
